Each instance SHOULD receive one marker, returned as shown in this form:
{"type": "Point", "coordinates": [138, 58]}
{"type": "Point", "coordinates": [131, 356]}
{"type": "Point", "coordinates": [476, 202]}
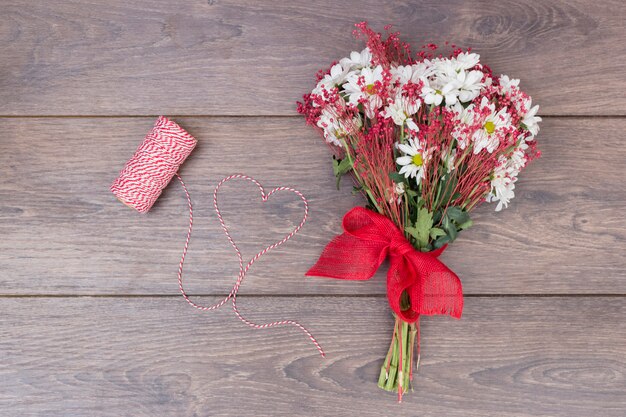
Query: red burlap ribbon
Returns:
{"type": "Point", "coordinates": [368, 239]}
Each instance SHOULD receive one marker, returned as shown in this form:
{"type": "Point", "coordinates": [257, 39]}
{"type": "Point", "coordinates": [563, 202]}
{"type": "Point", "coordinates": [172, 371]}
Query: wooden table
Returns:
{"type": "Point", "coordinates": [91, 320]}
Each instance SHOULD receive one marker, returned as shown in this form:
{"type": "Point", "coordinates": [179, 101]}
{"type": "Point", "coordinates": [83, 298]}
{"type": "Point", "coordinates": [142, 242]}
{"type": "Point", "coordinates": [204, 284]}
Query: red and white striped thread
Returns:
{"type": "Point", "coordinates": [148, 172]}
{"type": "Point", "coordinates": [155, 162]}
{"type": "Point", "coordinates": [243, 270]}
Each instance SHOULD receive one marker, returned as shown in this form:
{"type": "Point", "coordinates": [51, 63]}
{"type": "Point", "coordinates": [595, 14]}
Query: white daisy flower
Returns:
{"type": "Point", "coordinates": [467, 83]}
{"type": "Point", "coordinates": [333, 79]}
{"type": "Point", "coordinates": [505, 175]}
{"type": "Point", "coordinates": [401, 73]}
{"type": "Point", "coordinates": [508, 85]}
{"type": "Point", "coordinates": [421, 70]}
{"type": "Point", "coordinates": [357, 60]}
{"type": "Point", "coordinates": [335, 130]}
{"type": "Point", "coordinates": [415, 156]}
{"type": "Point", "coordinates": [465, 118]}
{"type": "Point", "coordinates": [462, 62]}
{"type": "Point", "coordinates": [531, 120]}
{"type": "Point", "coordinates": [434, 91]}
{"type": "Point", "coordinates": [357, 89]}
{"type": "Point", "coordinates": [518, 158]}
{"type": "Point", "coordinates": [494, 127]}
{"type": "Point", "coordinates": [362, 85]}
{"type": "Point", "coordinates": [401, 109]}
{"type": "Point", "coordinates": [413, 73]}
{"type": "Point", "coordinates": [470, 85]}
{"type": "Point", "coordinates": [502, 184]}
{"type": "Point", "coordinates": [465, 61]}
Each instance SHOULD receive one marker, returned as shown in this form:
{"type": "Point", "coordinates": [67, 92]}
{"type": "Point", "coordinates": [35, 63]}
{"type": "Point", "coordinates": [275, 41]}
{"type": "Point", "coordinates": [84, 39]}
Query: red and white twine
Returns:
{"type": "Point", "coordinates": [153, 165]}
{"type": "Point", "coordinates": [243, 270]}
{"type": "Point", "coordinates": [151, 168]}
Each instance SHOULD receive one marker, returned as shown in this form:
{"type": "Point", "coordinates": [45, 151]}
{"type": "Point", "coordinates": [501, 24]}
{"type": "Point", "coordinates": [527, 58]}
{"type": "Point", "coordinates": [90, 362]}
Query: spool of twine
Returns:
{"type": "Point", "coordinates": [153, 165]}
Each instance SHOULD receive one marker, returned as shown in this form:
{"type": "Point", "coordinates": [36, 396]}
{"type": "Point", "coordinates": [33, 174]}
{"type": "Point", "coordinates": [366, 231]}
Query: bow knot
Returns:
{"type": "Point", "coordinates": [369, 237]}
{"type": "Point", "coordinates": [400, 246]}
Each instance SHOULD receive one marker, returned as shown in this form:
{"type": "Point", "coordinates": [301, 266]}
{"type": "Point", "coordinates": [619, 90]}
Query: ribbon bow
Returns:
{"type": "Point", "coordinates": [368, 239]}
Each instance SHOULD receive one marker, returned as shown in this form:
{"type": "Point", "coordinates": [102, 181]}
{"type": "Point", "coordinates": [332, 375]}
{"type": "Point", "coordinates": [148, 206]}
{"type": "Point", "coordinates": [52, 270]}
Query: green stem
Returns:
{"type": "Point", "coordinates": [373, 200]}
{"type": "Point", "coordinates": [394, 374]}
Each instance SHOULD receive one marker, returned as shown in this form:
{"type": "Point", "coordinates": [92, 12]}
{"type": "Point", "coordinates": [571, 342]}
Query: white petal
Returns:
{"type": "Point", "coordinates": [404, 160]}
{"type": "Point", "coordinates": [336, 70]}
{"type": "Point", "coordinates": [407, 149]}
{"type": "Point", "coordinates": [450, 99]}
{"type": "Point", "coordinates": [346, 62]}
{"type": "Point", "coordinates": [411, 125]}
{"type": "Point", "coordinates": [405, 170]}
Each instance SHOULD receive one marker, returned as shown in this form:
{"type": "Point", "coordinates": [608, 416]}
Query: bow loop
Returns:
{"type": "Point", "coordinates": [369, 237]}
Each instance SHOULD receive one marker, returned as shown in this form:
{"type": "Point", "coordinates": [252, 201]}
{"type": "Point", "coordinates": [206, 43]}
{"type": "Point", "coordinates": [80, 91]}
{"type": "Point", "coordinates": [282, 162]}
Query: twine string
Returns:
{"type": "Point", "coordinates": [243, 270]}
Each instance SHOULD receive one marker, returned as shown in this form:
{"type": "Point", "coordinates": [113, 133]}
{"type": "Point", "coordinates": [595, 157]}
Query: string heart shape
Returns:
{"type": "Point", "coordinates": [243, 269]}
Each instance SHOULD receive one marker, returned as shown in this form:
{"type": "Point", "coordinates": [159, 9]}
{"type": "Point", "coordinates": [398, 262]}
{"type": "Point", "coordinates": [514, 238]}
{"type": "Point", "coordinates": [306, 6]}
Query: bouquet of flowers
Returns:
{"type": "Point", "coordinates": [426, 137]}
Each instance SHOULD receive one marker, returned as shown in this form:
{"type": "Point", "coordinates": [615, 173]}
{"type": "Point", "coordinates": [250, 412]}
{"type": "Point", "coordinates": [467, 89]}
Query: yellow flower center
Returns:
{"type": "Point", "coordinates": [490, 127]}
{"type": "Point", "coordinates": [417, 160]}
{"type": "Point", "coordinates": [370, 88]}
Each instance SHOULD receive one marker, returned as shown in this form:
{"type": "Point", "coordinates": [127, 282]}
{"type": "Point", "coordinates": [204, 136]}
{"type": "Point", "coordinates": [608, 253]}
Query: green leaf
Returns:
{"type": "Point", "coordinates": [412, 231]}
{"type": "Point", "coordinates": [466, 225]}
{"type": "Point", "coordinates": [421, 229]}
{"type": "Point", "coordinates": [452, 234]}
{"type": "Point", "coordinates": [397, 178]}
{"type": "Point", "coordinates": [437, 217]}
{"type": "Point", "coordinates": [340, 168]}
{"type": "Point", "coordinates": [441, 241]}
{"type": "Point", "coordinates": [449, 227]}
{"type": "Point", "coordinates": [436, 232]}
{"type": "Point", "coordinates": [458, 215]}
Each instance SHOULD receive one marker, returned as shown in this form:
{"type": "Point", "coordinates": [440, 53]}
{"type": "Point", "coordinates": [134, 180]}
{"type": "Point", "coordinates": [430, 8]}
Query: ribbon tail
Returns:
{"type": "Point", "coordinates": [438, 291]}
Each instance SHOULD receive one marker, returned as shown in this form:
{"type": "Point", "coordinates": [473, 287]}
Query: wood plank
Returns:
{"type": "Point", "coordinates": [62, 232]}
{"type": "Point", "coordinates": [258, 57]}
{"type": "Point", "coordinates": [157, 356]}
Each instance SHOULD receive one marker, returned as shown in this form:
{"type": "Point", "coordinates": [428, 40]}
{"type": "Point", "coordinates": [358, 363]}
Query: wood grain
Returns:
{"type": "Point", "coordinates": [258, 57]}
{"type": "Point", "coordinates": [156, 356]}
{"type": "Point", "coordinates": [90, 324]}
{"type": "Point", "coordinates": [63, 232]}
